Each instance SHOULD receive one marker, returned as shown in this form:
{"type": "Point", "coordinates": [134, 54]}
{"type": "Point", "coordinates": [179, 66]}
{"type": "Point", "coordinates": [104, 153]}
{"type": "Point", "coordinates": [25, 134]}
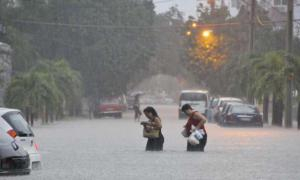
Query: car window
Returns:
{"type": "Point", "coordinates": [111, 100]}
{"type": "Point", "coordinates": [215, 102]}
{"type": "Point", "coordinates": [18, 123]}
{"type": "Point", "coordinates": [244, 109]}
{"type": "Point", "coordinates": [193, 97]}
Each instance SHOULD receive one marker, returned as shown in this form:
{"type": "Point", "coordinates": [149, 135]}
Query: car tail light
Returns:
{"type": "Point", "coordinates": [12, 133]}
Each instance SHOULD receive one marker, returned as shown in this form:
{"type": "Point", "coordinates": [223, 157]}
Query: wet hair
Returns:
{"type": "Point", "coordinates": [186, 107]}
{"type": "Point", "coordinates": [151, 110]}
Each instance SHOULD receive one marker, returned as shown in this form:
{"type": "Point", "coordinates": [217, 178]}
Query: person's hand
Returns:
{"type": "Point", "coordinates": [144, 123]}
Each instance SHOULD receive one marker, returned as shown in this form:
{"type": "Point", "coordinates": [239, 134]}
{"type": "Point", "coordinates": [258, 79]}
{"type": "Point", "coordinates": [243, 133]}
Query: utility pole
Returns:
{"type": "Point", "coordinates": [289, 42]}
{"type": "Point", "coordinates": [252, 26]}
{"type": "Point", "coordinates": [251, 37]}
{"type": "Point", "coordinates": [212, 4]}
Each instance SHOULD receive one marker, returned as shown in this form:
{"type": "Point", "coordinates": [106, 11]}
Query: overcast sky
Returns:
{"type": "Point", "coordinates": [186, 6]}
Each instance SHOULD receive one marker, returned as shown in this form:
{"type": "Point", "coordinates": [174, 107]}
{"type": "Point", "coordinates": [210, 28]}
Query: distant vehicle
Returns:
{"type": "Point", "coordinates": [130, 98]}
{"type": "Point", "coordinates": [217, 106]}
{"type": "Point", "coordinates": [112, 107]}
{"type": "Point", "coordinates": [130, 102]}
{"type": "Point", "coordinates": [198, 99]}
{"type": "Point", "coordinates": [13, 158]}
{"type": "Point", "coordinates": [242, 114]}
{"type": "Point", "coordinates": [13, 122]}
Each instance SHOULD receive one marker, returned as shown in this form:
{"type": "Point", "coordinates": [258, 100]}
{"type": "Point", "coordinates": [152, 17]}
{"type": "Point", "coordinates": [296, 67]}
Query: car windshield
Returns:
{"type": "Point", "coordinates": [244, 109]}
{"type": "Point", "coordinates": [18, 123]}
{"type": "Point", "coordinates": [193, 97]}
{"type": "Point", "coordinates": [110, 101]}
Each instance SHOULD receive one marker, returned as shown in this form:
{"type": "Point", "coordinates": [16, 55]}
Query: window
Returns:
{"type": "Point", "coordinates": [18, 123]}
{"type": "Point", "coordinates": [193, 97]}
{"type": "Point", "coordinates": [244, 109]}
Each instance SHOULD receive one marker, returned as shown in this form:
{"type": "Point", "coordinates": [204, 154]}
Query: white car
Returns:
{"type": "Point", "coordinates": [217, 105]}
{"type": "Point", "coordinates": [13, 122]}
{"type": "Point", "coordinates": [198, 99]}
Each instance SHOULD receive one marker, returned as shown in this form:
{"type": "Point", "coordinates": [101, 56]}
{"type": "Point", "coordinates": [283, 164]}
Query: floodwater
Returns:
{"type": "Point", "coordinates": [114, 149]}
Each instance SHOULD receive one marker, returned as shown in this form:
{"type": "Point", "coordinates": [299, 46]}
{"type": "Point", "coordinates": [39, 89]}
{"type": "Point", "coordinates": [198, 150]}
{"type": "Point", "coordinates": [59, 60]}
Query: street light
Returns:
{"type": "Point", "coordinates": [194, 25]}
{"type": "Point", "coordinates": [188, 33]}
{"type": "Point", "coordinates": [206, 33]}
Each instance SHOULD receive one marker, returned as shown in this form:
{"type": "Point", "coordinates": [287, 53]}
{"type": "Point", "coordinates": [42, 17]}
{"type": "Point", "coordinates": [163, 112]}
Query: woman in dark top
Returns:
{"type": "Point", "coordinates": [154, 123]}
{"type": "Point", "coordinates": [198, 120]}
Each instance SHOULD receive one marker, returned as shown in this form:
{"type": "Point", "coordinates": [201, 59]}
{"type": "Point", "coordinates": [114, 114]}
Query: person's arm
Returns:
{"type": "Point", "coordinates": [156, 124]}
{"type": "Point", "coordinates": [202, 119]}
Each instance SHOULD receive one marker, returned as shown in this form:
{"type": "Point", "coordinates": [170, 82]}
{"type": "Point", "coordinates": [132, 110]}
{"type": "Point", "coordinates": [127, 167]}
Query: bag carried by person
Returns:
{"type": "Point", "coordinates": [196, 136]}
{"type": "Point", "coordinates": [151, 133]}
{"type": "Point", "coordinates": [184, 133]}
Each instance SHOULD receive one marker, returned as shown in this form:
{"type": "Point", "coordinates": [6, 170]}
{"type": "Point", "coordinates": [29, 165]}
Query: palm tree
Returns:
{"type": "Point", "coordinates": [270, 72]}
{"type": "Point", "coordinates": [66, 79]}
{"type": "Point", "coordinates": [33, 92]}
{"type": "Point", "coordinates": [44, 90]}
{"type": "Point", "coordinates": [295, 75]}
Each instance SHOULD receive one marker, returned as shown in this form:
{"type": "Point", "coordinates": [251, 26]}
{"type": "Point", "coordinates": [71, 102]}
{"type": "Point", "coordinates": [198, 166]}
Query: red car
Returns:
{"type": "Point", "coordinates": [112, 107]}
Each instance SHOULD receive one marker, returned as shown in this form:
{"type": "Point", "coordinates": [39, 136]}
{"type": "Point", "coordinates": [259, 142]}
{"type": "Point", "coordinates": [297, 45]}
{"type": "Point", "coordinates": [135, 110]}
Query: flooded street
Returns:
{"type": "Point", "coordinates": [114, 149]}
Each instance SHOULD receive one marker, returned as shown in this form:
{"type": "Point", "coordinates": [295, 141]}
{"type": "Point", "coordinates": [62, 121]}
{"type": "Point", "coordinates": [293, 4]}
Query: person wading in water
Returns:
{"type": "Point", "coordinates": [197, 120]}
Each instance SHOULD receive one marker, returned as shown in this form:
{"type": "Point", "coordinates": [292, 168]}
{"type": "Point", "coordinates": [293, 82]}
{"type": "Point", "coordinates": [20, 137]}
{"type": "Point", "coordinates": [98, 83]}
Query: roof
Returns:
{"type": "Point", "coordinates": [195, 91]}
{"type": "Point", "coordinates": [6, 110]}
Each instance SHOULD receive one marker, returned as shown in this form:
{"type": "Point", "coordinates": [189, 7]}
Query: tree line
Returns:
{"type": "Point", "coordinates": [223, 62]}
{"type": "Point", "coordinates": [107, 42]}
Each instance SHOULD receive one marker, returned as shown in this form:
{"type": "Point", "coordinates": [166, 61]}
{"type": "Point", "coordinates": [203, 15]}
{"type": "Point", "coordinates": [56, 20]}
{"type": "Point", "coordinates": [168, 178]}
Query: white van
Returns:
{"type": "Point", "coordinates": [198, 99]}
{"type": "Point", "coordinates": [13, 122]}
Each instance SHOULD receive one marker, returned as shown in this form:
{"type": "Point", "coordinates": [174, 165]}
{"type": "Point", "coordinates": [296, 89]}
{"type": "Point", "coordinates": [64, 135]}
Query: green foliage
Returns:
{"type": "Point", "coordinates": [47, 86]}
{"type": "Point", "coordinates": [235, 76]}
{"type": "Point", "coordinates": [106, 41]}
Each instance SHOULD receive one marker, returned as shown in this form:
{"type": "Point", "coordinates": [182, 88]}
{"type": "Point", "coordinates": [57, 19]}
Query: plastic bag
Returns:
{"type": "Point", "coordinates": [196, 136]}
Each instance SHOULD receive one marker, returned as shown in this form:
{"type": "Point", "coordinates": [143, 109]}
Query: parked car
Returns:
{"type": "Point", "coordinates": [218, 104]}
{"type": "Point", "coordinates": [225, 109]}
{"type": "Point", "coordinates": [198, 99]}
{"type": "Point", "coordinates": [112, 107]}
{"type": "Point", "coordinates": [13, 122]}
{"type": "Point", "coordinates": [13, 158]}
{"type": "Point", "coordinates": [242, 114]}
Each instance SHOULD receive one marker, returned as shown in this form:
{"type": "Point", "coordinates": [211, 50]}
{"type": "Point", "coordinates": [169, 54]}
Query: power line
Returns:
{"type": "Point", "coordinates": [207, 25]}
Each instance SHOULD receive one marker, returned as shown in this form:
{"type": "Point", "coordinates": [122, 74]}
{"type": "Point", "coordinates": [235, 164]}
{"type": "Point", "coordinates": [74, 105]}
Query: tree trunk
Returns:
{"type": "Point", "coordinates": [47, 115]}
{"type": "Point", "coordinates": [27, 115]}
{"type": "Point", "coordinates": [274, 115]}
{"type": "Point", "coordinates": [277, 112]}
{"type": "Point", "coordinates": [31, 118]}
{"type": "Point", "coordinates": [266, 109]}
{"type": "Point", "coordinates": [298, 118]}
{"type": "Point", "coordinates": [280, 112]}
{"type": "Point", "coordinates": [51, 116]}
